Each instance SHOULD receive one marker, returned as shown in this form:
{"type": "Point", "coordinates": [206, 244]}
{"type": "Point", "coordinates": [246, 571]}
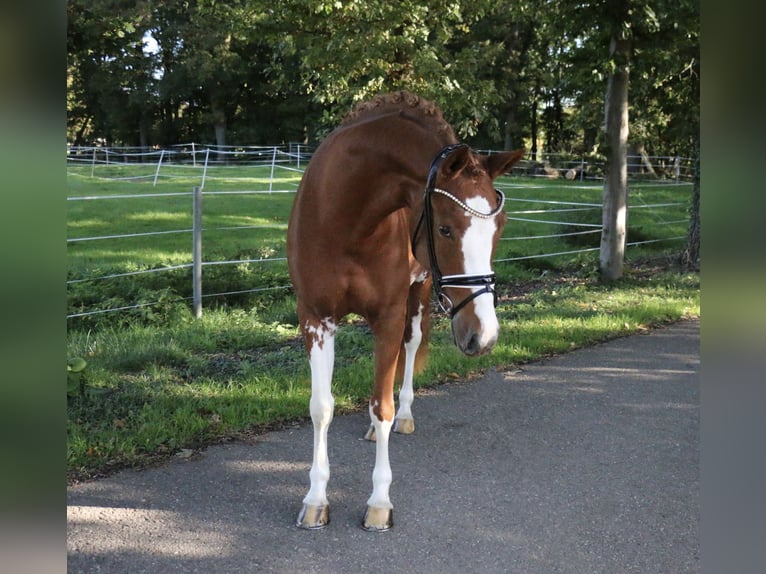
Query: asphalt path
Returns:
{"type": "Point", "coordinates": [586, 463]}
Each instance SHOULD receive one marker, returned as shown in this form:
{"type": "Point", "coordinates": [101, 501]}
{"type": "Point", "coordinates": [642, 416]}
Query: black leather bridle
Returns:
{"type": "Point", "coordinates": [485, 282]}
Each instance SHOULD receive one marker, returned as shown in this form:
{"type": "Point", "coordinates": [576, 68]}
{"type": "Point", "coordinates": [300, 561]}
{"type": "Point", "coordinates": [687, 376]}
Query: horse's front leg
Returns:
{"type": "Point", "coordinates": [415, 335]}
{"type": "Point", "coordinates": [388, 334]}
{"type": "Point", "coordinates": [320, 343]}
{"type": "Point", "coordinates": [405, 423]}
{"type": "Point", "coordinates": [413, 352]}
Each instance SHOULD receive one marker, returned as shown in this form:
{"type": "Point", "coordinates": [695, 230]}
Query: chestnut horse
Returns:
{"type": "Point", "coordinates": [364, 238]}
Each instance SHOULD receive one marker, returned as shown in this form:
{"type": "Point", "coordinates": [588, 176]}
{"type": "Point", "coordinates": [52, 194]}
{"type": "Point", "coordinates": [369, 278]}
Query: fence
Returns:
{"type": "Point", "coordinates": [191, 162]}
{"type": "Point", "coordinates": [297, 155]}
{"type": "Point", "coordinates": [191, 156]}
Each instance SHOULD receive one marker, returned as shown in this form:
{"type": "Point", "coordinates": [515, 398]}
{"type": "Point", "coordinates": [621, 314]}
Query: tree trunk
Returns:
{"type": "Point", "coordinates": [534, 129]}
{"type": "Point", "coordinates": [511, 127]}
{"type": "Point", "coordinates": [143, 132]}
{"type": "Point", "coordinates": [615, 197]}
{"type": "Point", "coordinates": [690, 256]}
{"type": "Point", "coordinates": [219, 125]}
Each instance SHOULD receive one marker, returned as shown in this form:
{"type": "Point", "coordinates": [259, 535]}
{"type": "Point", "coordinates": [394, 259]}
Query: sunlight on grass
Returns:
{"type": "Point", "coordinates": [83, 223]}
{"type": "Point", "coordinates": [154, 216]}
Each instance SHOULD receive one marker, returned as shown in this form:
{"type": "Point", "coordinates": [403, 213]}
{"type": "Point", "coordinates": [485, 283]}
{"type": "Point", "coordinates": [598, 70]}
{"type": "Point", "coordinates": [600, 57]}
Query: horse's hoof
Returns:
{"type": "Point", "coordinates": [378, 519]}
{"type": "Point", "coordinates": [370, 434]}
{"type": "Point", "coordinates": [404, 426]}
{"type": "Point", "coordinates": [313, 517]}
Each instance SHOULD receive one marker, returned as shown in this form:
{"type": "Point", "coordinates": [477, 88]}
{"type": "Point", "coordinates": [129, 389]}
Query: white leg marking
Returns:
{"type": "Point", "coordinates": [381, 475]}
{"type": "Point", "coordinates": [407, 394]}
{"type": "Point", "coordinates": [477, 255]}
{"type": "Point", "coordinates": [322, 359]}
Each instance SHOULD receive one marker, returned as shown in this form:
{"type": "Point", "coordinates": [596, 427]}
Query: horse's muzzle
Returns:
{"type": "Point", "coordinates": [473, 343]}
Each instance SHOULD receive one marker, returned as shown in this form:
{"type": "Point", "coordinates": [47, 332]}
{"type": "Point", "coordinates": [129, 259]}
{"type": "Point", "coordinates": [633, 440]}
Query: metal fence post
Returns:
{"type": "Point", "coordinates": [273, 161]}
{"type": "Point", "coordinates": [159, 163]}
{"type": "Point", "coordinates": [197, 252]}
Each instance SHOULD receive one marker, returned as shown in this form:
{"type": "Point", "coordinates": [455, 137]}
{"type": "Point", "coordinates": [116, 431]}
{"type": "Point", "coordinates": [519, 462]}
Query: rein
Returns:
{"type": "Point", "coordinates": [485, 282]}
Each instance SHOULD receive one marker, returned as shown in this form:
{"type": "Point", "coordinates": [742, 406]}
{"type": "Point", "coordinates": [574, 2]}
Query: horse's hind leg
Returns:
{"type": "Point", "coordinates": [415, 347]}
{"type": "Point", "coordinates": [320, 343]}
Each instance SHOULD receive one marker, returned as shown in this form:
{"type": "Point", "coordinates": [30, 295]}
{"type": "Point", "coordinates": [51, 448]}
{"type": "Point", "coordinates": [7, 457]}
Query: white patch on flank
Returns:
{"type": "Point", "coordinates": [322, 359]}
{"type": "Point", "coordinates": [477, 257]}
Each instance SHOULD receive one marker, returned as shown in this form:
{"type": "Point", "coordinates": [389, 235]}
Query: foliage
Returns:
{"type": "Point", "coordinates": [507, 74]}
{"type": "Point", "coordinates": [75, 384]}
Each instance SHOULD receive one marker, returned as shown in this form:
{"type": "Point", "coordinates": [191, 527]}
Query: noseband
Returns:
{"type": "Point", "coordinates": [486, 282]}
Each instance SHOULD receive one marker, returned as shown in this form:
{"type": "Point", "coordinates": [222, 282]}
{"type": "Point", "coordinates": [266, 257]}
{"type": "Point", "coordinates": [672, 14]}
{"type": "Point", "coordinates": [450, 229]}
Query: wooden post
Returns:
{"type": "Point", "coordinates": [197, 252]}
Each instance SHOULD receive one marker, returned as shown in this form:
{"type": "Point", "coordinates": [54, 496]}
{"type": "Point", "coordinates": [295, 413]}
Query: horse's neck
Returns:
{"type": "Point", "coordinates": [397, 162]}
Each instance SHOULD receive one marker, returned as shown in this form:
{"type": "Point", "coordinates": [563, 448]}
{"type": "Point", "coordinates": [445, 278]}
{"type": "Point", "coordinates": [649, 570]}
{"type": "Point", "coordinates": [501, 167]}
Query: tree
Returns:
{"type": "Point", "coordinates": [504, 72]}
{"type": "Point", "coordinates": [201, 46]}
{"type": "Point", "coordinates": [615, 196]}
{"type": "Point", "coordinates": [352, 50]}
{"type": "Point", "coordinates": [630, 27]}
{"type": "Point", "coordinates": [108, 75]}
{"type": "Point", "coordinates": [690, 255]}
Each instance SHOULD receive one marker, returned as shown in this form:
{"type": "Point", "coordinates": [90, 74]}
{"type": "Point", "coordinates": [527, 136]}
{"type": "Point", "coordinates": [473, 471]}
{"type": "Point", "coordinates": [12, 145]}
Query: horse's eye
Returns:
{"type": "Point", "coordinates": [445, 230]}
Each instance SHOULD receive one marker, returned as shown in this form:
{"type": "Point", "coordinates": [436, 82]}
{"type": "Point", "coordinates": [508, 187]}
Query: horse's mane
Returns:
{"type": "Point", "coordinates": [425, 110]}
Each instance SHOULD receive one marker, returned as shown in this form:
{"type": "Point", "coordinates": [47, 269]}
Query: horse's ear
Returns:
{"type": "Point", "coordinates": [500, 163]}
{"type": "Point", "coordinates": [455, 162]}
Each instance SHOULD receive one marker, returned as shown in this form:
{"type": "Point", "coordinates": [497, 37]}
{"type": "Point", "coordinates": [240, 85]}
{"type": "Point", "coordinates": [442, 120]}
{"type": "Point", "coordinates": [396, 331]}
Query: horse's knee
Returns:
{"type": "Point", "coordinates": [321, 409]}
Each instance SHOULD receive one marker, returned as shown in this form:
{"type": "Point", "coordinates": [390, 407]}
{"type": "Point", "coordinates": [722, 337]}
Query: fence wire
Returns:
{"type": "Point", "coordinates": [192, 158]}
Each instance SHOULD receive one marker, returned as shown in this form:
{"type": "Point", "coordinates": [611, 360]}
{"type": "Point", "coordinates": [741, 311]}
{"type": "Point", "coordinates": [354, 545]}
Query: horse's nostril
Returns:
{"type": "Point", "coordinates": [475, 345]}
{"type": "Point", "coordinates": [472, 346]}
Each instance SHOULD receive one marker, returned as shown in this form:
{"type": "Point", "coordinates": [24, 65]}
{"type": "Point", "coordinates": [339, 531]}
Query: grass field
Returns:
{"type": "Point", "coordinates": [155, 380]}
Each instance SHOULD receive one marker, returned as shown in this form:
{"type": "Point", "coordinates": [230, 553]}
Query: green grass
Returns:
{"type": "Point", "coordinates": [191, 382]}
{"type": "Point", "coordinates": [645, 223]}
{"type": "Point", "coordinates": [106, 217]}
{"type": "Point", "coordinates": [158, 380]}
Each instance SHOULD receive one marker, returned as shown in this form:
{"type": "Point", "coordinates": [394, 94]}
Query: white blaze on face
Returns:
{"type": "Point", "coordinates": [477, 257]}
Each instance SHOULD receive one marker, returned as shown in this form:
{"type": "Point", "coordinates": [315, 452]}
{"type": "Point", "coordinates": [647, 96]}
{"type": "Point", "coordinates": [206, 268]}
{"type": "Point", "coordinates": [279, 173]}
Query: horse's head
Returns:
{"type": "Point", "coordinates": [463, 219]}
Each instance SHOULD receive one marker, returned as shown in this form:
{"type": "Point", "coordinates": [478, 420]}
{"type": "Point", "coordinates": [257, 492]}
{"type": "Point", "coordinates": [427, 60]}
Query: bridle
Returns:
{"type": "Point", "coordinates": [486, 282]}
